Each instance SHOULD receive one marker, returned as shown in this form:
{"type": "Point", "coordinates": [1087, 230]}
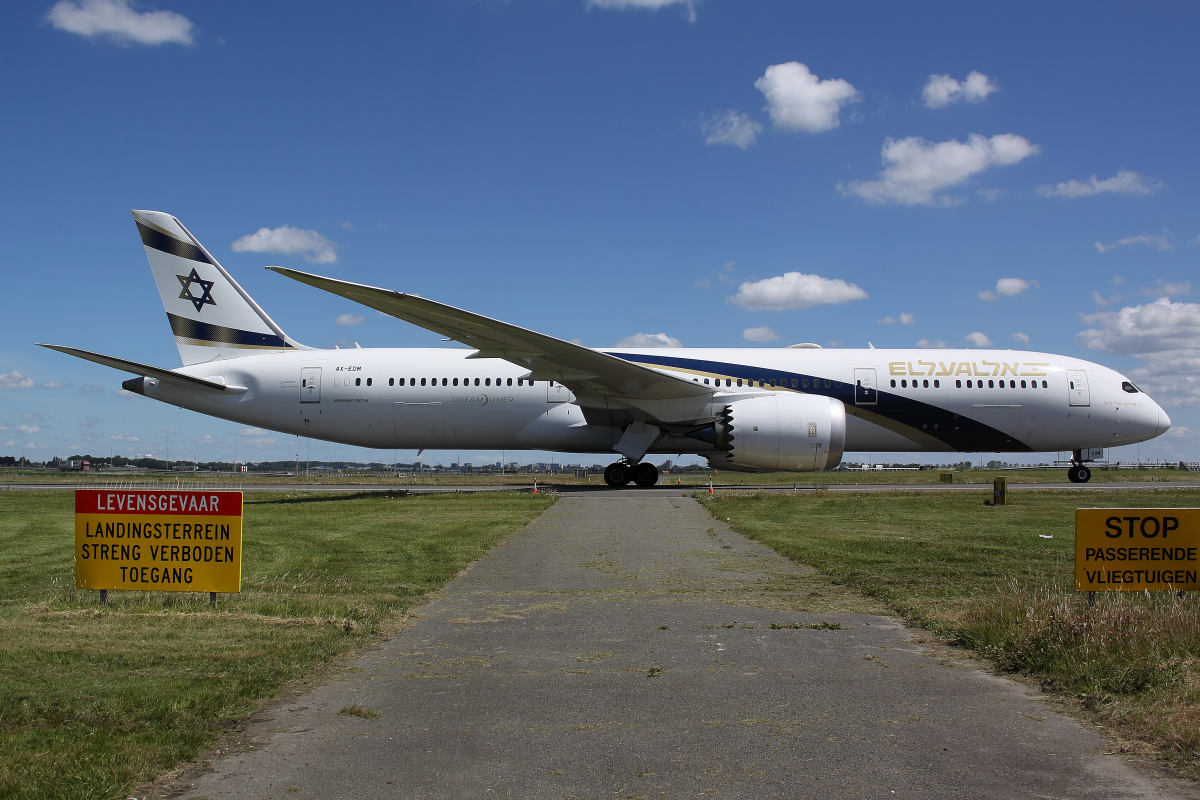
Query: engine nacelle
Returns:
{"type": "Point", "coordinates": [781, 431]}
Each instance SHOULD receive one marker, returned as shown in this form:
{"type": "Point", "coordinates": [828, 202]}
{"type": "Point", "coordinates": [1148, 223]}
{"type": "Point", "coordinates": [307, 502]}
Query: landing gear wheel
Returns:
{"type": "Point", "coordinates": [645, 475]}
{"type": "Point", "coordinates": [1079, 474]}
{"type": "Point", "coordinates": [618, 474]}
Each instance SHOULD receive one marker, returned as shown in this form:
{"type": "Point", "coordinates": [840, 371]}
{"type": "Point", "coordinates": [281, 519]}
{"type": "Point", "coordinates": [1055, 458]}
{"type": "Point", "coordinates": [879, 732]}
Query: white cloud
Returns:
{"type": "Point", "coordinates": [251, 432]}
{"type": "Point", "coordinates": [798, 101]}
{"type": "Point", "coordinates": [763, 334]}
{"type": "Point", "coordinates": [1124, 182]}
{"type": "Point", "coordinates": [125, 437]}
{"type": "Point", "coordinates": [1021, 338]}
{"type": "Point", "coordinates": [114, 19]}
{"type": "Point", "coordinates": [979, 339]}
{"type": "Point", "coordinates": [31, 416]}
{"type": "Point", "coordinates": [1007, 287]}
{"type": "Point", "coordinates": [649, 340]}
{"type": "Point", "coordinates": [942, 90]}
{"type": "Point", "coordinates": [794, 290]}
{"type": "Point", "coordinates": [916, 171]}
{"type": "Point", "coordinates": [263, 441]}
{"type": "Point", "coordinates": [1167, 289]}
{"type": "Point", "coordinates": [652, 5]}
{"type": "Point", "coordinates": [54, 385]}
{"type": "Point", "coordinates": [1104, 302]}
{"type": "Point", "coordinates": [933, 344]}
{"type": "Point", "coordinates": [285, 240]}
{"type": "Point", "coordinates": [1165, 335]}
{"type": "Point", "coordinates": [15, 380]}
{"type": "Point", "coordinates": [1163, 241]}
{"type": "Point", "coordinates": [903, 319]}
{"type": "Point", "coordinates": [28, 430]}
{"type": "Point", "coordinates": [733, 127]}
{"type": "Point", "coordinates": [350, 319]}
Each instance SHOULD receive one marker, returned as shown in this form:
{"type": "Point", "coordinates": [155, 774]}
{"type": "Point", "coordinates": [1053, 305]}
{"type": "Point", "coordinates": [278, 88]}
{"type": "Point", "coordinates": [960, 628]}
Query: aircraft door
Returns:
{"type": "Point", "coordinates": [557, 393]}
{"type": "Point", "coordinates": [1077, 385]}
{"type": "Point", "coordinates": [865, 392]}
{"type": "Point", "coordinates": [417, 424]}
{"type": "Point", "coordinates": [310, 385]}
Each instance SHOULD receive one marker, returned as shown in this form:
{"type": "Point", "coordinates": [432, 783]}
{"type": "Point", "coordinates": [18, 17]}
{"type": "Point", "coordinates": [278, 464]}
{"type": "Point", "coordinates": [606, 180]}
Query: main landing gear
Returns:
{"type": "Point", "coordinates": [620, 473]}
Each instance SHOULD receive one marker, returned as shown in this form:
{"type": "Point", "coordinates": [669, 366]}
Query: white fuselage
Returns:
{"type": "Point", "coordinates": [895, 400]}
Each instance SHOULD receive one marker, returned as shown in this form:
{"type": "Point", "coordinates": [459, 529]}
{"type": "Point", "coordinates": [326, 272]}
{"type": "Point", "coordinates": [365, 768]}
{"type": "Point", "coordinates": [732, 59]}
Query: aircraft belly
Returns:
{"type": "Point", "coordinates": [863, 435]}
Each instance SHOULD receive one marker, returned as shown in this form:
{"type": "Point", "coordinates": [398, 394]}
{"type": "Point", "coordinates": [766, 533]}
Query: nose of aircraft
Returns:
{"type": "Point", "coordinates": [1164, 422]}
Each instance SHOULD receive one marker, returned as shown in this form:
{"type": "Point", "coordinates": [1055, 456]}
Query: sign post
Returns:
{"type": "Point", "coordinates": [1137, 549]}
{"type": "Point", "coordinates": [167, 541]}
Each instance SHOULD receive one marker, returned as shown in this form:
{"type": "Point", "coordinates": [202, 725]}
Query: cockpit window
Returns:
{"type": "Point", "coordinates": [1129, 387]}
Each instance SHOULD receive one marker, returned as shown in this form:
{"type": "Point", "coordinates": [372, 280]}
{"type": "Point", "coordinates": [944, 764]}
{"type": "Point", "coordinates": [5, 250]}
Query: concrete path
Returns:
{"type": "Point", "coordinates": [626, 645]}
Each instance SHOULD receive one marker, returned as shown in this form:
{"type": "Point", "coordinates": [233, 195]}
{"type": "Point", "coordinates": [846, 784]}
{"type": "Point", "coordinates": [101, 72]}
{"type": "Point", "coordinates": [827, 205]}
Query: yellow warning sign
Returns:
{"type": "Point", "coordinates": [1136, 549]}
{"type": "Point", "coordinates": [173, 541]}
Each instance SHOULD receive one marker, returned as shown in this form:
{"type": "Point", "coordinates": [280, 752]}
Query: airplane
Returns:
{"type": "Point", "coordinates": [796, 408]}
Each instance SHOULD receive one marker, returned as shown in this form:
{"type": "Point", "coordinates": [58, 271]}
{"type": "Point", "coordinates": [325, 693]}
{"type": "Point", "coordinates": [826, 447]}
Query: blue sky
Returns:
{"type": "Point", "coordinates": [713, 173]}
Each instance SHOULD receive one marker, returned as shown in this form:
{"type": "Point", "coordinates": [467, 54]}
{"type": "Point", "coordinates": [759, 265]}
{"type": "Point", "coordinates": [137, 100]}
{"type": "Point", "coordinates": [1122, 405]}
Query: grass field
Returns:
{"type": "Point", "coordinates": [737, 479]}
{"type": "Point", "coordinates": [985, 577]}
{"type": "Point", "coordinates": [94, 700]}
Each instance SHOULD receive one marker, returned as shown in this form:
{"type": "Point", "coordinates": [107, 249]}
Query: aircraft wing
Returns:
{"type": "Point", "coordinates": [145, 370]}
{"type": "Point", "coordinates": [579, 368]}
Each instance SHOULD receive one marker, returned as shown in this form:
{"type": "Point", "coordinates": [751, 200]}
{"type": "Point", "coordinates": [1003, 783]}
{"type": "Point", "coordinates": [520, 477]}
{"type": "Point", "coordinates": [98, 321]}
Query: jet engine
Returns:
{"type": "Point", "coordinates": [779, 431]}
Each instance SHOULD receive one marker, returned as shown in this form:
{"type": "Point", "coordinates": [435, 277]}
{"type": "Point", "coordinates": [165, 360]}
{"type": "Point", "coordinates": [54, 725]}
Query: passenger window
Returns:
{"type": "Point", "coordinates": [1045, 385]}
{"type": "Point", "coordinates": [487, 381]}
{"type": "Point", "coordinates": [739, 381]}
{"type": "Point", "coordinates": [456, 381]}
{"type": "Point", "coordinates": [391, 381]}
{"type": "Point", "coordinates": [991, 384]}
{"type": "Point", "coordinates": [904, 383]}
{"type": "Point", "coordinates": [510, 381]}
{"type": "Point", "coordinates": [706, 381]}
{"type": "Point", "coordinates": [937, 384]}
{"type": "Point", "coordinates": [893, 383]}
{"type": "Point", "coordinates": [958, 384]}
{"type": "Point", "coordinates": [805, 383]}
{"type": "Point", "coordinates": [358, 381]}
{"type": "Point", "coordinates": [795, 383]}
{"type": "Point", "coordinates": [925, 383]}
{"type": "Point", "coordinates": [369, 381]}
{"type": "Point", "coordinates": [422, 381]}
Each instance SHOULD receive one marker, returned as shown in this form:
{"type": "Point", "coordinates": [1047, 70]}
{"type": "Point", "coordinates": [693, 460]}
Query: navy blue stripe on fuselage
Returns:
{"type": "Point", "coordinates": [956, 431]}
{"type": "Point", "coordinates": [169, 244]}
{"type": "Point", "coordinates": [219, 334]}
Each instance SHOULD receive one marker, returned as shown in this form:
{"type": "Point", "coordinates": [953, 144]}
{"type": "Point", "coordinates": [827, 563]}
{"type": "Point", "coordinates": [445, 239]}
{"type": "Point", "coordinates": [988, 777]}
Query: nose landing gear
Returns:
{"type": "Point", "coordinates": [1079, 472]}
{"type": "Point", "coordinates": [620, 473]}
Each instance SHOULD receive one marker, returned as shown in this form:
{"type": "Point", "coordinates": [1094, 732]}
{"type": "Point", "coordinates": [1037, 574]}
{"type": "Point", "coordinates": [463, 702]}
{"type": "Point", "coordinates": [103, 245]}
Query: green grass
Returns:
{"type": "Point", "coordinates": [96, 699]}
{"type": "Point", "coordinates": [726, 478]}
{"type": "Point", "coordinates": [985, 577]}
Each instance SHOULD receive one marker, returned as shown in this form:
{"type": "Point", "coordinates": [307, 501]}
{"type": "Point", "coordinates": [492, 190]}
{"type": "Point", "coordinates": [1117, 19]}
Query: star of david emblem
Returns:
{"type": "Point", "coordinates": [205, 297]}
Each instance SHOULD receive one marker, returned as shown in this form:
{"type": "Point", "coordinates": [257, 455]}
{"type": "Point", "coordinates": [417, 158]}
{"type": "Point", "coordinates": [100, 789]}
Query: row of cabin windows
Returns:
{"type": "Point", "coordinates": [454, 381]}
{"type": "Point", "coordinates": [796, 383]}
{"type": "Point", "coordinates": [924, 384]}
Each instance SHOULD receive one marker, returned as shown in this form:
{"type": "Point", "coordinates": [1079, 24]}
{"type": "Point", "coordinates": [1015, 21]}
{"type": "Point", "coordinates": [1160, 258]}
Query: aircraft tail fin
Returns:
{"type": "Point", "coordinates": [211, 316]}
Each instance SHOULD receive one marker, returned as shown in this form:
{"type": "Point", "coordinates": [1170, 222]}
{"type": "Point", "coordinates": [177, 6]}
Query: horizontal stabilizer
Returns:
{"type": "Point", "coordinates": [145, 370]}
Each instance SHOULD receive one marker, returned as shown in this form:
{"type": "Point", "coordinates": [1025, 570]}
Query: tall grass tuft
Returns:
{"type": "Point", "coordinates": [1126, 644]}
